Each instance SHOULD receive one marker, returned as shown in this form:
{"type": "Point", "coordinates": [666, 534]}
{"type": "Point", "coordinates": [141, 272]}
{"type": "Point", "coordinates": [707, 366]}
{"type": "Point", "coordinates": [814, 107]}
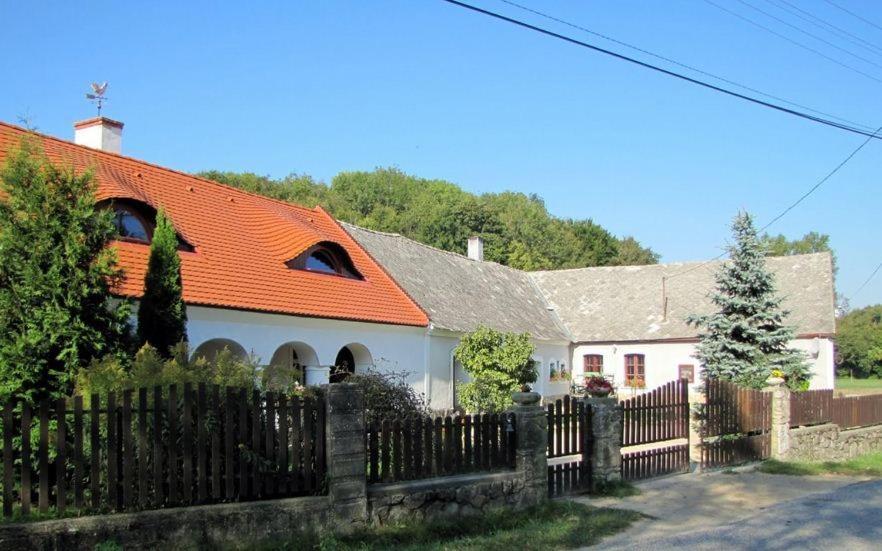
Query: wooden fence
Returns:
{"type": "Point", "coordinates": [736, 424]}
{"type": "Point", "coordinates": [815, 407]}
{"type": "Point", "coordinates": [167, 448]}
{"type": "Point", "coordinates": [425, 447]}
{"type": "Point", "coordinates": [660, 415]}
{"type": "Point", "coordinates": [569, 446]}
{"type": "Point", "coordinates": [857, 411]}
{"type": "Point", "coordinates": [812, 407]}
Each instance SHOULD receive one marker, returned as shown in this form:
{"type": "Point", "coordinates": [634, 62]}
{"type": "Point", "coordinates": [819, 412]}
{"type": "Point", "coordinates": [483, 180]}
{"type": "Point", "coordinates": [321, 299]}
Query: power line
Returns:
{"type": "Point", "coordinates": [855, 39]}
{"type": "Point", "coordinates": [662, 70]}
{"type": "Point", "coordinates": [789, 208]}
{"type": "Point", "coordinates": [805, 32]}
{"type": "Point", "coordinates": [821, 181]}
{"type": "Point", "coordinates": [864, 284]}
{"type": "Point", "coordinates": [794, 42]}
{"type": "Point", "coordinates": [851, 13]}
{"type": "Point", "coordinates": [679, 64]}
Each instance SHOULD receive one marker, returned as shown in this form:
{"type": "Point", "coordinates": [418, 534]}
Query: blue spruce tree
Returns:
{"type": "Point", "coordinates": [747, 339]}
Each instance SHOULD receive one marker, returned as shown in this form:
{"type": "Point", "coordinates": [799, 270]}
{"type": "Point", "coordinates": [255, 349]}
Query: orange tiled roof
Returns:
{"type": "Point", "coordinates": [241, 241]}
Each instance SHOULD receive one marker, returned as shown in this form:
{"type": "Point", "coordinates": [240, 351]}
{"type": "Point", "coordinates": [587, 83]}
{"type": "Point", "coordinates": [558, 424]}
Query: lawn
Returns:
{"type": "Point", "coordinates": [855, 387]}
{"type": "Point", "coordinates": [553, 525]}
{"type": "Point", "coordinates": [865, 465]}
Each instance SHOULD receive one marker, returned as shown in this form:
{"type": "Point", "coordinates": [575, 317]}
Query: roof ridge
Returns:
{"type": "Point", "coordinates": [432, 247]}
{"type": "Point", "coordinates": [130, 159]}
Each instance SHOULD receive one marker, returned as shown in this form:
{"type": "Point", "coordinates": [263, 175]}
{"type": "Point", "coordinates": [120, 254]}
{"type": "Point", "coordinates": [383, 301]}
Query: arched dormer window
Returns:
{"type": "Point", "coordinates": [325, 258]}
{"type": "Point", "coordinates": [135, 222]}
{"type": "Point", "coordinates": [131, 224]}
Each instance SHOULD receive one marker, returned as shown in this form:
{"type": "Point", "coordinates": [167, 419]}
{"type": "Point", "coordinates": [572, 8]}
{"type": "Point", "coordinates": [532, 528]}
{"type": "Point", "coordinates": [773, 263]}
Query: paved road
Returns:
{"type": "Point", "coordinates": [849, 518]}
{"type": "Point", "coordinates": [753, 510]}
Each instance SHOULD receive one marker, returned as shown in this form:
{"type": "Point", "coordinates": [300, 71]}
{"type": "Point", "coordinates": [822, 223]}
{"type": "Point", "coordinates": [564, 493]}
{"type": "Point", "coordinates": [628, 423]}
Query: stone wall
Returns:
{"type": "Point", "coordinates": [452, 496]}
{"type": "Point", "coordinates": [350, 502]}
{"type": "Point", "coordinates": [224, 526]}
{"type": "Point", "coordinates": [829, 443]}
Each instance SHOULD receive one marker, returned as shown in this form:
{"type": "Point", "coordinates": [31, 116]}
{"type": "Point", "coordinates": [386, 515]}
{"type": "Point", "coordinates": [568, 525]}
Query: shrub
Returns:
{"type": "Point", "coordinates": [388, 394]}
{"type": "Point", "coordinates": [499, 363]}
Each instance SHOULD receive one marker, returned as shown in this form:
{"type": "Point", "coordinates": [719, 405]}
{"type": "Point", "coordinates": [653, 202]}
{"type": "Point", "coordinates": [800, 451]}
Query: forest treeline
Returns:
{"type": "Point", "coordinates": [518, 230]}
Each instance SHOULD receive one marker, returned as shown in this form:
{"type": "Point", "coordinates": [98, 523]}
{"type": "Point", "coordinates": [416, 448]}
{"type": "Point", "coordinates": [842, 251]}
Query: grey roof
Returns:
{"type": "Point", "coordinates": [458, 293]}
{"type": "Point", "coordinates": [625, 303]}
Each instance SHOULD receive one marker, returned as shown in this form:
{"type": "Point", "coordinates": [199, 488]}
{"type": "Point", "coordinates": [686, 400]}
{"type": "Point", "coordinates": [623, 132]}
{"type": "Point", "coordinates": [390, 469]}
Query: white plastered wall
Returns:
{"type": "Point", "coordinates": [442, 367]}
{"type": "Point", "coordinates": [391, 347]}
{"type": "Point", "coordinates": [662, 361]}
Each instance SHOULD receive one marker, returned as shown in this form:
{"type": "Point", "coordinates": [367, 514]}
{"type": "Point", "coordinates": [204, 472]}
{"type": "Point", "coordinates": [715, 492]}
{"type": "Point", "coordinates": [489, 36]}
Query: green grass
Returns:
{"type": "Point", "coordinates": [553, 525]}
{"type": "Point", "coordinates": [859, 386]}
{"type": "Point", "coordinates": [865, 465]}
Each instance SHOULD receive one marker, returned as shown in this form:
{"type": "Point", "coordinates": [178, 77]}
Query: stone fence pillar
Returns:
{"type": "Point", "coordinates": [606, 429]}
{"type": "Point", "coordinates": [532, 440]}
{"type": "Point", "coordinates": [346, 456]}
{"type": "Point", "coordinates": [780, 417]}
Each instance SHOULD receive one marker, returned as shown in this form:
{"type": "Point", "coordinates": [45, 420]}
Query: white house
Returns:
{"type": "Point", "coordinates": [291, 285]}
{"type": "Point", "coordinates": [629, 322]}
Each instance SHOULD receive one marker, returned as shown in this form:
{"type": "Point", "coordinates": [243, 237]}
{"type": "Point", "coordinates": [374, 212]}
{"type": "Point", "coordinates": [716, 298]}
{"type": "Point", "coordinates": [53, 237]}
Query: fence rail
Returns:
{"type": "Point", "coordinates": [425, 447]}
{"type": "Point", "coordinates": [857, 411]}
{"type": "Point", "coordinates": [655, 462]}
{"type": "Point", "coordinates": [165, 448]}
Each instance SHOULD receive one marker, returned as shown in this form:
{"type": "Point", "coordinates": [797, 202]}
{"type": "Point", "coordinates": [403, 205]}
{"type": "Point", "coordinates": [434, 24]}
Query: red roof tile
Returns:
{"type": "Point", "coordinates": [241, 241]}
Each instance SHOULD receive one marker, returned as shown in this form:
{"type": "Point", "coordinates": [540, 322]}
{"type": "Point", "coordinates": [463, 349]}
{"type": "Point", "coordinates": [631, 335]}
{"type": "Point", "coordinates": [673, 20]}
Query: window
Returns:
{"type": "Point", "coordinates": [635, 370]}
{"type": "Point", "coordinates": [321, 261]}
{"type": "Point", "coordinates": [592, 363]}
{"type": "Point", "coordinates": [130, 225]}
{"type": "Point", "coordinates": [325, 258]}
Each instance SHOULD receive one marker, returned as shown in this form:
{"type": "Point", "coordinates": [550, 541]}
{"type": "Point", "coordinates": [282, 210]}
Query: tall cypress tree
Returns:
{"type": "Point", "coordinates": [162, 316]}
{"type": "Point", "coordinates": [746, 339]}
{"type": "Point", "coordinates": [56, 276]}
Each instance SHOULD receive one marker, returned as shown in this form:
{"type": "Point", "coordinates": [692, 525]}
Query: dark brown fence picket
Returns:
{"type": "Point", "coordinates": [736, 424]}
{"type": "Point", "coordinates": [811, 407]}
{"type": "Point", "coordinates": [143, 450]}
{"type": "Point", "coordinates": [856, 411]}
{"type": "Point", "coordinates": [568, 446]}
{"type": "Point", "coordinates": [425, 447]}
{"type": "Point", "coordinates": [660, 416]}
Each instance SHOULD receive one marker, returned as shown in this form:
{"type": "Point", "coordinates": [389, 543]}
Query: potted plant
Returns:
{"type": "Point", "coordinates": [598, 387]}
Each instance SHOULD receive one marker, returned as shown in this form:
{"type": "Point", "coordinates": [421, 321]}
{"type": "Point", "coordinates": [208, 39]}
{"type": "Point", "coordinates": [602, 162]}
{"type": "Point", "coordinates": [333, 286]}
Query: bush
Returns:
{"type": "Point", "coordinates": [149, 369]}
{"type": "Point", "coordinates": [499, 363]}
{"type": "Point", "coordinates": [389, 395]}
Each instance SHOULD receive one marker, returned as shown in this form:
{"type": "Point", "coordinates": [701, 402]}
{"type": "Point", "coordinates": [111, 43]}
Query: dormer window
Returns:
{"type": "Point", "coordinates": [131, 225]}
{"type": "Point", "coordinates": [326, 258]}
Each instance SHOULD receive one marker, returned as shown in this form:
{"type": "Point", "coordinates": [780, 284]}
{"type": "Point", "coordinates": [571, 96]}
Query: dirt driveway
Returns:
{"type": "Point", "coordinates": [693, 502]}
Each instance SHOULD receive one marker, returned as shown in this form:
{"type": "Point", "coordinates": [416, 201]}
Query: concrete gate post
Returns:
{"type": "Point", "coordinates": [606, 453]}
{"type": "Point", "coordinates": [780, 434]}
{"type": "Point", "coordinates": [532, 439]}
{"type": "Point", "coordinates": [346, 456]}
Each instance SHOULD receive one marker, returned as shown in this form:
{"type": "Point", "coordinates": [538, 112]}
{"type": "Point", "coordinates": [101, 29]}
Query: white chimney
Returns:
{"type": "Point", "coordinates": [99, 133]}
{"type": "Point", "coordinates": [476, 248]}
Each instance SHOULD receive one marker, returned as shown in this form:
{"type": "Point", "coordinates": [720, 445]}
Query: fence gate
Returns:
{"type": "Point", "coordinates": [656, 429]}
{"type": "Point", "coordinates": [569, 447]}
{"type": "Point", "coordinates": [736, 424]}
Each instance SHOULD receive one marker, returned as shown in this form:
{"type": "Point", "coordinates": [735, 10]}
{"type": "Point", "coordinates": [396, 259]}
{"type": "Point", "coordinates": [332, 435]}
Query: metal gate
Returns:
{"type": "Point", "coordinates": [569, 447]}
{"type": "Point", "coordinates": [736, 424]}
{"type": "Point", "coordinates": [656, 429]}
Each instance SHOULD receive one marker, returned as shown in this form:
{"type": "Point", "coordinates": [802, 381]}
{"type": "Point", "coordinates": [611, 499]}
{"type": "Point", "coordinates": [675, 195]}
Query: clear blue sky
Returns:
{"type": "Point", "coordinates": [322, 87]}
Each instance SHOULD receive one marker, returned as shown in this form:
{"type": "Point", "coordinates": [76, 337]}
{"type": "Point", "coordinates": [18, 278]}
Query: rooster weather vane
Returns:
{"type": "Point", "coordinates": [97, 96]}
